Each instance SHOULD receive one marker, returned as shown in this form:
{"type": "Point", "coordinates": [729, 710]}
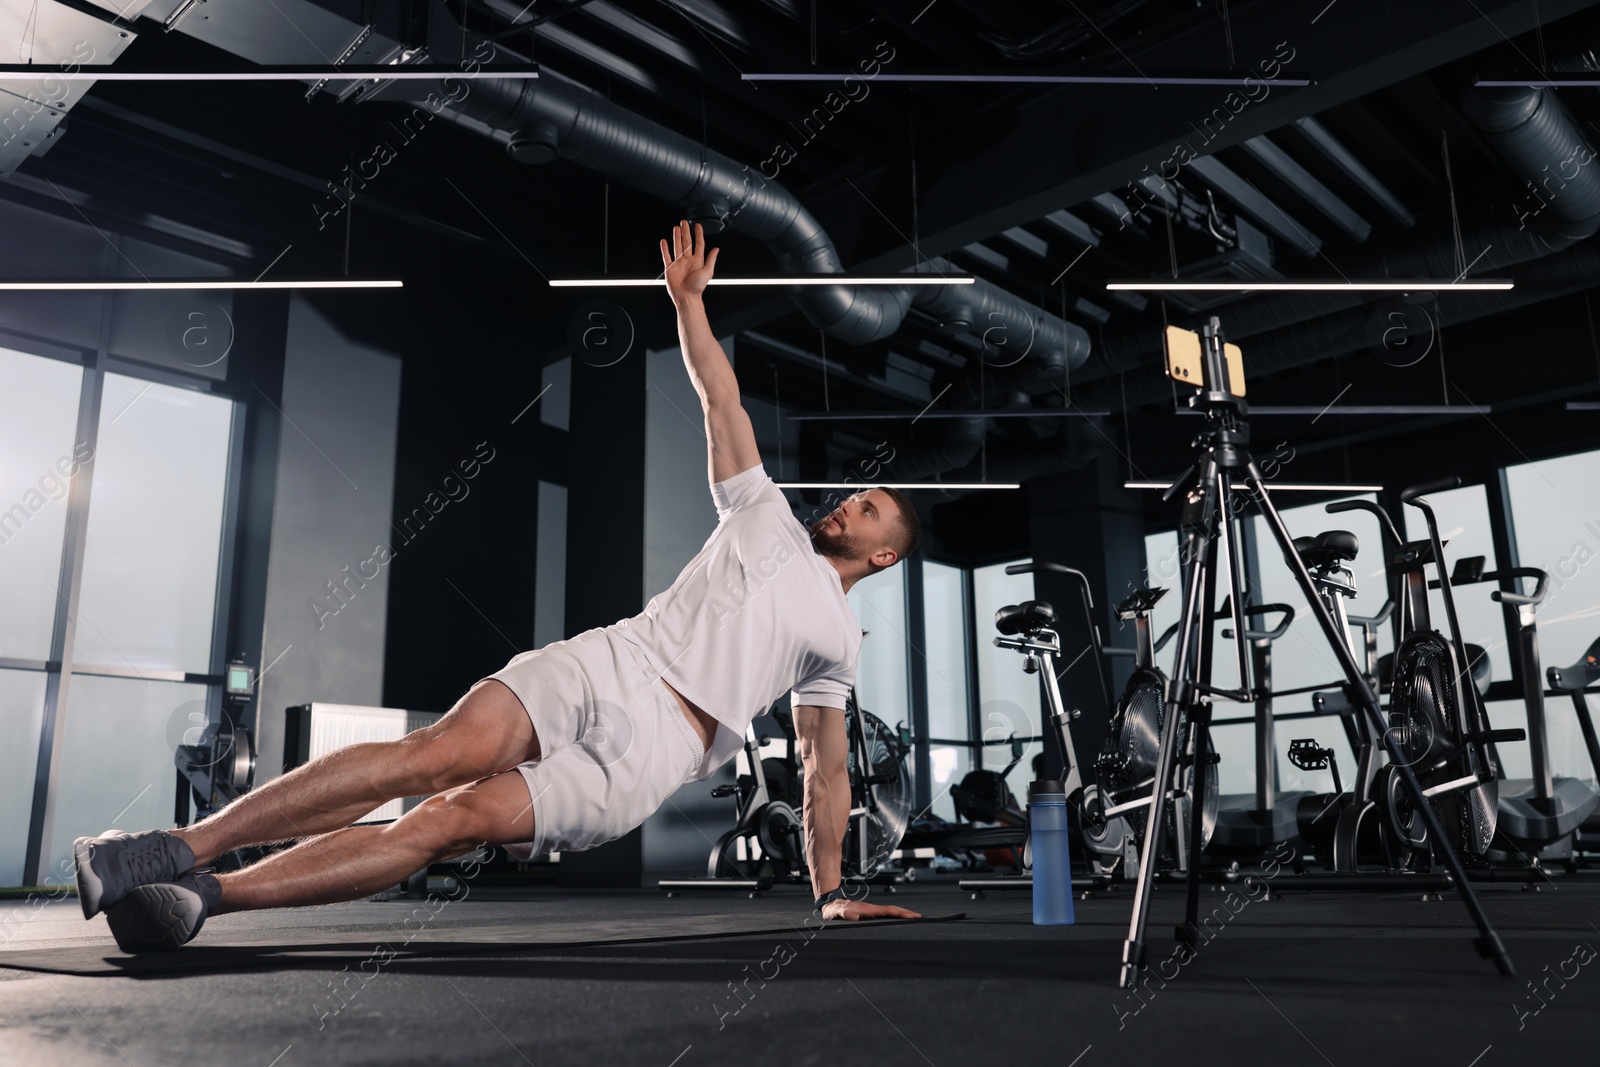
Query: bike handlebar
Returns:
{"type": "Point", "coordinates": [1540, 589]}
{"type": "Point", "coordinates": [1385, 523]}
{"type": "Point", "coordinates": [1055, 568]}
{"type": "Point", "coordinates": [1436, 486]}
{"type": "Point", "coordinates": [1266, 635]}
{"type": "Point", "coordinates": [1375, 620]}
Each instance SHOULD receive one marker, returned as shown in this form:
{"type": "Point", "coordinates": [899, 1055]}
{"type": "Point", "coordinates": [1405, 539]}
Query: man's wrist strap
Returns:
{"type": "Point", "coordinates": [836, 893]}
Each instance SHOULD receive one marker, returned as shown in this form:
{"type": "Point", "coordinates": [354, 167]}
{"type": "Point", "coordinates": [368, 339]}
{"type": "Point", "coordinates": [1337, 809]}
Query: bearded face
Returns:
{"type": "Point", "coordinates": [833, 538]}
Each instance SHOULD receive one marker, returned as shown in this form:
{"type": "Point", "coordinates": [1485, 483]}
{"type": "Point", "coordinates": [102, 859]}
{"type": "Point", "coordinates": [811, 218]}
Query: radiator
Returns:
{"type": "Point", "coordinates": [310, 730]}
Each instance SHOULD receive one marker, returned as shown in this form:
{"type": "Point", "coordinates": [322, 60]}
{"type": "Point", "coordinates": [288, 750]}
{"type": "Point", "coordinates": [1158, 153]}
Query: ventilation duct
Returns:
{"type": "Point", "coordinates": [555, 118]}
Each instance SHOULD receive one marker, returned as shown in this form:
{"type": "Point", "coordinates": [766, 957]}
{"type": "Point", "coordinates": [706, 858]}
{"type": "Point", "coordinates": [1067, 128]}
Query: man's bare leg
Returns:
{"type": "Point", "coordinates": [343, 865]}
{"type": "Point", "coordinates": [485, 733]}
{"type": "Point", "coordinates": [358, 861]}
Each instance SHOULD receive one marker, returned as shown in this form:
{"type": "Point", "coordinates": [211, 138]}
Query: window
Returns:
{"type": "Point", "coordinates": [38, 459]}
{"type": "Point", "coordinates": [1556, 514]}
{"type": "Point", "coordinates": [1463, 516]}
{"type": "Point", "coordinates": [1011, 701]}
{"type": "Point", "coordinates": [881, 680]}
{"type": "Point", "coordinates": [1556, 510]}
{"type": "Point", "coordinates": [943, 661]}
{"type": "Point", "coordinates": [146, 605]}
{"type": "Point", "coordinates": [21, 716]}
{"type": "Point", "coordinates": [150, 559]}
{"type": "Point", "coordinates": [138, 596]}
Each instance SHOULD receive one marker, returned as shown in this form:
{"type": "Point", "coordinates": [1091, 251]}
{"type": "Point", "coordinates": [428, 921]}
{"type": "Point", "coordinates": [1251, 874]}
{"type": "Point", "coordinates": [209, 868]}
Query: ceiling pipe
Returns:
{"type": "Point", "coordinates": [553, 118]}
{"type": "Point", "coordinates": [1540, 142]}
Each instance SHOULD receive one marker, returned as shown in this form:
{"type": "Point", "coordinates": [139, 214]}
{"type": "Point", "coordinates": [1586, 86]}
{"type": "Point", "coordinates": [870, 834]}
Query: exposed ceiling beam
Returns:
{"type": "Point", "coordinates": [1102, 139]}
{"type": "Point", "coordinates": [1310, 189]}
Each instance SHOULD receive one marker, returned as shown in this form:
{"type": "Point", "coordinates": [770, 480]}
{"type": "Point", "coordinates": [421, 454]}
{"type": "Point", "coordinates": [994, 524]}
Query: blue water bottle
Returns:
{"type": "Point", "coordinates": [1052, 862]}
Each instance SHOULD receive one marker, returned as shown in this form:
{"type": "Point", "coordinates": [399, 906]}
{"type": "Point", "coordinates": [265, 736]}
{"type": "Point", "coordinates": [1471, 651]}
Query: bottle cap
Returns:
{"type": "Point", "coordinates": [1046, 787]}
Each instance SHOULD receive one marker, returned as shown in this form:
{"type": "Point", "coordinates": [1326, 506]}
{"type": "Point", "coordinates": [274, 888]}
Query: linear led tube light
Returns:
{"type": "Point", "coordinates": [1583, 405]}
{"type": "Point", "coordinates": [901, 485]}
{"type": "Point", "coordinates": [1276, 485]}
{"type": "Point", "coordinates": [1161, 286]}
{"type": "Point", "coordinates": [1027, 79]}
{"type": "Point", "coordinates": [338, 283]}
{"type": "Point", "coordinates": [264, 73]}
{"type": "Point", "coordinates": [852, 416]}
{"type": "Point", "coordinates": [1543, 81]}
{"type": "Point", "coordinates": [802, 279]}
{"type": "Point", "coordinates": [1362, 409]}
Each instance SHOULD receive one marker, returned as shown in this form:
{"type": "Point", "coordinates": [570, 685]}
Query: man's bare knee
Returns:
{"type": "Point", "coordinates": [485, 733]}
{"type": "Point", "coordinates": [436, 762]}
{"type": "Point", "coordinates": [449, 823]}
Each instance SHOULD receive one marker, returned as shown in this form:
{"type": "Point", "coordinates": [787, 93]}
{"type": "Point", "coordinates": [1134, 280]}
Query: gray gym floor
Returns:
{"type": "Point", "coordinates": [1311, 978]}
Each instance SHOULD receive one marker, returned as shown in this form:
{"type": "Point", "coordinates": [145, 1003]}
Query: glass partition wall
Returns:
{"type": "Point", "coordinates": [117, 487]}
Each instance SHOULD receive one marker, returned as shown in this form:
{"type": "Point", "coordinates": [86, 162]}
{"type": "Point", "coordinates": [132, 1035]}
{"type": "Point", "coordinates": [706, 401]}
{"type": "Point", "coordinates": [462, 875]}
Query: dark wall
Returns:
{"type": "Point", "coordinates": [462, 587]}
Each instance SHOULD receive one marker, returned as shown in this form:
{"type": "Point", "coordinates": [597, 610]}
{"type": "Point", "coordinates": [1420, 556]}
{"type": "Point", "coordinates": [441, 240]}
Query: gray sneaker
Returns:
{"type": "Point", "coordinates": [111, 865]}
{"type": "Point", "coordinates": [165, 915]}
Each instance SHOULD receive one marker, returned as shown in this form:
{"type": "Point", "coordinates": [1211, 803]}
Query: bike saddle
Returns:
{"type": "Point", "coordinates": [1580, 675]}
{"type": "Point", "coordinates": [1028, 617]}
{"type": "Point", "coordinates": [1327, 549]}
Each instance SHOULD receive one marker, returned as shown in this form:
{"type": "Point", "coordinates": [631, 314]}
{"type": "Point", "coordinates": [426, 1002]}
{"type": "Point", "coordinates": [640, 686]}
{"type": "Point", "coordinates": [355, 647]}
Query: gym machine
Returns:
{"type": "Point", "coordinates": [1222, 457]}
{"type": "Point", "coordinates": [1323, 823]}
{"type": "Point", "coordinates": [1029, 628]}
{"type": "Point", "coordinates": [1538, 816]}
{"type": "Point", "coordinates": [1127, 765]}
{"type": "Point", "coordinates": [219, 765]}
{"type": "Point", "coordinates": [768, 807]}
{"type": "Point", "coordinates": [1253, 824]}
{"type": "Point", "coordinates": [1574, 681]}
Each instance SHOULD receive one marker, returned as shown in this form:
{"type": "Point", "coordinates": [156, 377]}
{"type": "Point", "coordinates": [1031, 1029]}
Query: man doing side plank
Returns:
{"type": "Point", "coordinates": [576, 743]}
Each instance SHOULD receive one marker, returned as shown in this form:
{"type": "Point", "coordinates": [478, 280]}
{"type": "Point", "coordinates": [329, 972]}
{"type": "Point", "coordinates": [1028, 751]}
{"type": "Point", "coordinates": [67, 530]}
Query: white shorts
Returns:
{"type": "Point", "coordinates": [614, 744]}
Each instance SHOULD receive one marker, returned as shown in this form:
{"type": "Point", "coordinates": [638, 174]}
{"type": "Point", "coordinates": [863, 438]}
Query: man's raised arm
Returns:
{"type": "Point", "coordinates": [731, 441]}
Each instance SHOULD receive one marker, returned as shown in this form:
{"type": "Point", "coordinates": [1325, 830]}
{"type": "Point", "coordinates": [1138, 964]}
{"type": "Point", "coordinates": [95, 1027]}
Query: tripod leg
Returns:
{"type": "Point", "coordinates": [1199, 725]}
{"type": "Point", "coordinates": [1488, 941]}
{"type": "Point", "coordinates": [1197, 512]}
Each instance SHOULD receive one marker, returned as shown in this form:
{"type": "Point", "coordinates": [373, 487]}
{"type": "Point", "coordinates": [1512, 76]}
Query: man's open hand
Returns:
{"type": "Point", "coordinates": [688, 266]}
{"type": "Point", "coordinates": [850, 909]}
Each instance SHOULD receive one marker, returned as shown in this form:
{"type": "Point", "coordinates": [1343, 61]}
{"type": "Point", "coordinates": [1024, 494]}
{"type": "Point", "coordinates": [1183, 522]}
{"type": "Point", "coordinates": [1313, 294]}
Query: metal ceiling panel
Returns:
{"type": "Point", "coordinates": [125, 11]}
{"type": "Point", "coordinates": [26, 127]}
{"type": "Point", "coordinates": [56, 37]}
{"type": "Point", "coordinates": [283, 31]}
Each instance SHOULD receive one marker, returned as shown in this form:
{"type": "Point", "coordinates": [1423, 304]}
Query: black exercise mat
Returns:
{"type": "Point", "coordinates": [382, 945]}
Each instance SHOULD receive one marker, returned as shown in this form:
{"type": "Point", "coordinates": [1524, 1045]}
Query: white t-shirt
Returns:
{"type": "Point", "coordinates": [757, 611]}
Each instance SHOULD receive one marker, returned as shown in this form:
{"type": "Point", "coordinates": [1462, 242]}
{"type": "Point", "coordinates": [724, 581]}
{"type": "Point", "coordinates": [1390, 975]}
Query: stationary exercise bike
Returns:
{"type": "Point", "coordinates": [1436, 709]}
{"type": "Point", "coordinates": [1538, 816]}
{"type": "Point", "coordinates": [1575, 681]}
{"type": "Point", "coordinates": [768, 824]}
{"type": "Point", "coordinates": [1126, 767]}
{"type": "Point", "coordinates": [1333, 835]}
{"type": "Point", "coordinates": [1252, 825]}
{"type": "Point", "coordinates": [1436, 720]}
{"type": "Point", "coordinates": [1028, 628]}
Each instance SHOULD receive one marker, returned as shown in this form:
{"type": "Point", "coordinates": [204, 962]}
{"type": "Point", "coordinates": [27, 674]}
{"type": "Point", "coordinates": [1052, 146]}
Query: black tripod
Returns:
{"type": "Point", "coordinates": [1223, 457]}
